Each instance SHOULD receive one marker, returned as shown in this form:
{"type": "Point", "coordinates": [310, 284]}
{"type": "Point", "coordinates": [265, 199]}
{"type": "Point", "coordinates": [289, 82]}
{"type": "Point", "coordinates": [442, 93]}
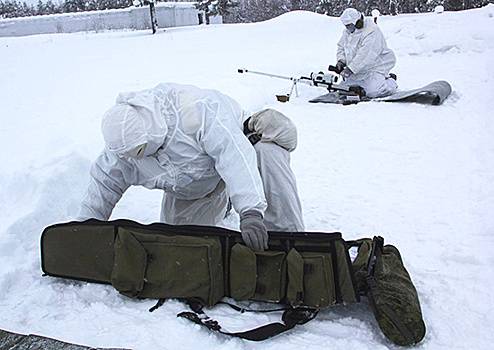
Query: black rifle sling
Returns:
{"type": "Point", "coordinates": [291, 317]}
{"type": "Point", "coordinates": [376, 251]}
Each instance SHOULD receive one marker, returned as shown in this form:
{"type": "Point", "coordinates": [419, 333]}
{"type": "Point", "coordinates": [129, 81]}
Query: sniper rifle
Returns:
{"type": "Point", "coordinates": [331, 81]}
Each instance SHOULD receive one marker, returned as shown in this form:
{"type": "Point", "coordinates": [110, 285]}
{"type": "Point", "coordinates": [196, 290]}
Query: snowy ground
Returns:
{"type": "Point", "coordinates": [422, 176]}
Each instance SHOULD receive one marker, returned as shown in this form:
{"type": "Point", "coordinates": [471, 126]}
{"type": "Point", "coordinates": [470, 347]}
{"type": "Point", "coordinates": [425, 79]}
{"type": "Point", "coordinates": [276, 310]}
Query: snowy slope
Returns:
{"type": "Point", "coordinates": [422, 176]}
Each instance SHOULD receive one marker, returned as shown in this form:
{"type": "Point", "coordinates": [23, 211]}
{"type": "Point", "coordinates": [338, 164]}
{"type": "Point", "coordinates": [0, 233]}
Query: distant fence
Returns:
{"type": "Point", "coordinates": [170, 14]}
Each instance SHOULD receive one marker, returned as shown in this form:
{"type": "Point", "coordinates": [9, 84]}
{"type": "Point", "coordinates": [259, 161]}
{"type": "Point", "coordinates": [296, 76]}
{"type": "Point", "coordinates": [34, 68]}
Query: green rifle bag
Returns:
{"type": "Point", "coordinates": [302, 271]}
{"type": "Point", "coordinates": [201, 263]}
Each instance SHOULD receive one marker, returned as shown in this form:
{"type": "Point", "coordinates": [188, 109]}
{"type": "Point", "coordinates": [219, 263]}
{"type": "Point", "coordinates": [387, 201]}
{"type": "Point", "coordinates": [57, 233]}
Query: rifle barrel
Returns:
{"type": "Point", "coordinates": [266, 74]}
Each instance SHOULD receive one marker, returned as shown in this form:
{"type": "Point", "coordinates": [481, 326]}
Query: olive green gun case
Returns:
{"type": "Point", "coordinates": [201, 265]}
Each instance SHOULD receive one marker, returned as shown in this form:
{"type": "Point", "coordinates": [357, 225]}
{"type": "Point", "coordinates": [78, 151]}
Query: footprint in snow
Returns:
{"type": "Point", "coordinates": [446, 48]}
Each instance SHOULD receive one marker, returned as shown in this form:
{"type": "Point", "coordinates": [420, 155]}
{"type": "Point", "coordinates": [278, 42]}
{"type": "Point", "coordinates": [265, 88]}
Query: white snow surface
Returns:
{"type": "Point", "coordinates": [421, 176]}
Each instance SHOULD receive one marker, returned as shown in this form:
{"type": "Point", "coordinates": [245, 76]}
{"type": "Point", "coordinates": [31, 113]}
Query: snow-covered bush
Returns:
{"type": "Point", "coordinates": [439, 9]}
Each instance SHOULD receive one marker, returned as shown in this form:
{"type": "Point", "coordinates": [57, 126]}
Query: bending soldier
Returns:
{"type": "Point", "coordinates": [190, 142]}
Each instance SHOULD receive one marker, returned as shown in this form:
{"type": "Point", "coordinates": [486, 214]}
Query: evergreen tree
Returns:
{"type": "Point", "coordinates": [27, 10]}
{"type": "Point", "coordinates": [259, 10]}
{"type": "Point", "coordinates": [245, 10]}
{"type": "Point", "coordinates": [74, 5]}
{"type": "Point", "coordinates": [40, 8]}
{"type": "Point", "coordinates": [333, 7]}
{"type": "Point", "coordinates": [455, 5]}
{"type": "Point", "coordinates": [307, 5]}
{"type": "Point", "coordinates": [52, 8]}
{"type": "Point", "coordinates": [215, 7]}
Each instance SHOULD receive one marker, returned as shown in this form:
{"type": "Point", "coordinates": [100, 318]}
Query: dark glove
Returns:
{"type": "Point", "coordinates": [332, 68]}
{"type": "Point", "coordinates": [253, 231]}
{"type": "Point", "coordinates": [338, 68]}
{"type": "Point", "coordinates": [346, 73]}
{"type": "Point", "coordinates": [340, 65]}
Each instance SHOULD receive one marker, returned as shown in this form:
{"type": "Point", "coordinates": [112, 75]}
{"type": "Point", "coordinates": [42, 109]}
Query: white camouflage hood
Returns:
{"type": "Point", "coordinates": [135, 119]}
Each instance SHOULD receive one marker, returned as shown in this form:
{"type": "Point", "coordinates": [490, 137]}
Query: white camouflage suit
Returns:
{"type": "Point", "coordinates": [198, 154]}
{"type": "Point", "coordinates": [366, 54]}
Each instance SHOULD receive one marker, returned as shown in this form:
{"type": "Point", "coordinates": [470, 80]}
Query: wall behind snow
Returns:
{"type": "Point", "coordinates": [168, 15]}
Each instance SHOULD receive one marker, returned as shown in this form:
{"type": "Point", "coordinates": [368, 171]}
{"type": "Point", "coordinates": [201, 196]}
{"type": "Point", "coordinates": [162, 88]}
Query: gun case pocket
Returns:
{"type": "Point", "coordinates": [150, 265]}
{"type": "Point", "coordinates": [310, 279]}
{"type": "Point", "coordinates": [257, 275]}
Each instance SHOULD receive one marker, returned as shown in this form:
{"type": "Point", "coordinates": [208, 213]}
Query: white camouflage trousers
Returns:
{"type": "Point", "coordinates": [284, 211]}
{"type": "Point", "coordinates": [375, 84]}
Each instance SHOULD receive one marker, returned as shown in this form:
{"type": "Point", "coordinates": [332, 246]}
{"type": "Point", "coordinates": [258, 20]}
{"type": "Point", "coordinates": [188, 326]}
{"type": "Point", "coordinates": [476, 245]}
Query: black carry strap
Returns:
{"type": "Point", "coordinates": [376, 251]}
{"type": "Point", "coordinates": [291, 317]}
{"type": "Point", "coordinates": [158, 304]}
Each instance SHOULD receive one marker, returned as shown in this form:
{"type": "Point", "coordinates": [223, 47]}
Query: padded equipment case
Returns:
{"type": "Point", "coordinates": [303, 271]}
